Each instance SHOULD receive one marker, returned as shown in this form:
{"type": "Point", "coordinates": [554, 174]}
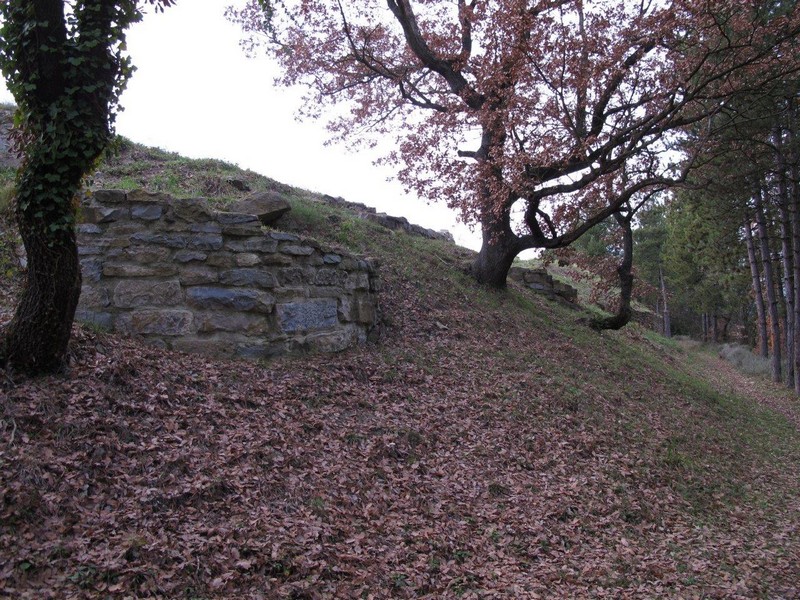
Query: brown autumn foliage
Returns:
{"type": "Point", "coordinates": [517, 113]}
{"type": "Point", "coordinates": [486, 447]}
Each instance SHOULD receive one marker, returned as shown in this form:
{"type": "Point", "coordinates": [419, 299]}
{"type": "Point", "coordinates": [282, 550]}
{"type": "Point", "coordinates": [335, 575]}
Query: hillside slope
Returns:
{"type": "Point", "coordinates": [487, 446]}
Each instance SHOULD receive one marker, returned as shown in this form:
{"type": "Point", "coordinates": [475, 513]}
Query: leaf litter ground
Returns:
{"type": "Point", "coordinates": [486, 447]}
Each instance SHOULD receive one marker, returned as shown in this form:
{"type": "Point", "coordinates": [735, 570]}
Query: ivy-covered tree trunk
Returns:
{"type": "Point", "coordinates": [36, 339]}
{"type": "Point", "coordinates": [66, 74]}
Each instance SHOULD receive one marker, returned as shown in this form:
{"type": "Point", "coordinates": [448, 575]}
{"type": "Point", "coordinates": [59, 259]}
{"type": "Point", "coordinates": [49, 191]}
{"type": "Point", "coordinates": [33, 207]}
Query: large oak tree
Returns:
{"type": "Point", "coordinates": [64, 64]}
{"type": "Point", "coordinates": [517, 112]}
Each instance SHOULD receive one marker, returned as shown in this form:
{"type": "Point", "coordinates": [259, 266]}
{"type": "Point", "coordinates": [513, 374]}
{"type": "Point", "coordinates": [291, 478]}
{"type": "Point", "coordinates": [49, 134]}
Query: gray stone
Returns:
{"type": "Point", "coordinates": [332, 259]}
{"type": "Point", "coordinates": [267, 206]}
{"type": "Point", "coordinates": [259, 243]}
{"type": "Point", "coordinates": [334, 341]}
{"type": "Point", "coordinates": [91, 269]}
{"type": "Point", "coordinates": [134, 293]}
{"type": "Point", "coordinates": [236, 218]}
{"type": "Point", "coordinates": [170, 240]}
{"type": "Point", "coordinates": [157, 322]}
{"type": "Point", "coordinates": [191, 210]}
{"type": "Point", "coordinates": [357, 281]}
{"type": "Point", "coordinates": [88, 229]}
{"type": "Point", "coordinates": [100, 319]}
{"type": "Point", "coordinates": [110, 196]}
{"type": "Point", "coordinates": [215, 298]}
{"type": "Point", "coordinates": [291, 276]}
{"type": "Point", "coordinates": [329, 277]}
{"type": "Point", "coordinates": [309, 315]}
{"type": "Point", "coordinates": [279, 236]}
{"type": "Point", "coordinates": [126, 270]}
{"type": "Point", "coordinates": [297, 250]}
{"type": "Point", "coordinates": [247, 277]}
{"type": "Point", "coordinates": [207, 227]}
{"type": "Point", "coordinates": [185, 256]}
{"type": "Point", "coordinates": [94, 296]}
{"type": "Point", "coordinates": [232, 322]}
{"type": "Point", "coordinates": [147, 212]}
{"type": "Point", "coordinates": [90, 250]}
{"type": "Point", "coordinates": [102, 214]}
{"type": "Point", "coordinates": [197, 275]}
{"type": "Point", "coordinates": [209, 241]}
{"type": "Point", "coordinates": [146, 255]}
{"type": "Point", "coordinates": [247, 260]}
{"type": "Point", "coordinates": [243, 230]}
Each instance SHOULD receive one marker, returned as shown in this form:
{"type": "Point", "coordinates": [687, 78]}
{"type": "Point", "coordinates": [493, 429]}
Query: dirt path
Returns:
{"type": "Point", "coordinates": [726, 378]}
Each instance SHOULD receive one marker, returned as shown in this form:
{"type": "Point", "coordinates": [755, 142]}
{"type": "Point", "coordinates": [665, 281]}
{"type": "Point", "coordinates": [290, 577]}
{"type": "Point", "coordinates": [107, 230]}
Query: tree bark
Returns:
{"type": "Point", "coordinates": [788, 260]}
{"type": "Point", "coordinates": [499, 248]}
{"type": "Point", "coordinates": [625, 273]}
{"type": "Point", "coordinates": [769, 284]}
{"type": "Point", "coordinates": [36, 339]}
{"type": "Point", "coordinates": [763, 347]}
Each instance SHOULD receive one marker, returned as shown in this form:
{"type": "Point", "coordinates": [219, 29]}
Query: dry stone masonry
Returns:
{"type": "Point", "coordinates": [191, 278]}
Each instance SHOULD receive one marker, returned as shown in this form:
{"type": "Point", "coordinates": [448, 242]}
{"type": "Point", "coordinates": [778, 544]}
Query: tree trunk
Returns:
{"type": "Point", "coordinates": [666, 317]}
{"type": "Point", "coordinates": [625, 273]}
{"type": "Point", "coordinates": [499, 249]}
{"type": "Point", "coordinates": [769, 284]}
{"type": "Point", "coordinates": [788, 259]}
{"type": "Point", "coordinates": [763, 347]}
{"type": "Point", "coordinates": [36, 339]}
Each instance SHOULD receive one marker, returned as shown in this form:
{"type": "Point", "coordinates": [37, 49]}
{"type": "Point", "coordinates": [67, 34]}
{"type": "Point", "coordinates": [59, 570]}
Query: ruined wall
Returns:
{"type": "Point", "coordinates": [190, 278]}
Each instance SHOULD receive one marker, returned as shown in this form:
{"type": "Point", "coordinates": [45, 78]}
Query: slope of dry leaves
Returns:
{"type": "Point", "coordinates": [487, 446]}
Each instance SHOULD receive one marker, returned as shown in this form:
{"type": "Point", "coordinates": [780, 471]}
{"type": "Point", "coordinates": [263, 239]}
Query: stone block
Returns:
{"type": "Point", "coordinates": [207, 227]}
{"type": "Point", "coordinates": [88, 229]}
{"type": "Point", "coordinates": [250, 323]}
{"type": "Point", "coordinates": [91, 269]}
{"type": "Point", "coordinates": [295, 250]}
{"type": "Point", "coordinates": [279, 236]}
{"type": "Point", "coordinates": [235, 218]}
{"type": "Point", "coordinates": [365, 312]}
{"type": "Point", "coordinates": [329, 277]}
{"type": "Point", "coordinates": [308, 315]}
{"type": "Point", "coordinates": [94, 296]}
{"type": "Point", "coordinates": [101, 319]}
{"type": "Point", "coordinates": [156, 322]}
{"type": "Point", "coordinates": [191, 210]}
{"type": "Point", "coordinates": [220, 298]}
{"type": "Point", "coordinates": [291, 276]}
{"type": "Point", "coordinates": [357, 281]}
{"type": "Point", "coordinates": [110, 196]}
{"type": "Point", "coordinates": [258, 243]}
{"type": "Point", "coordinates": [332, 259]}
{"type": "Point", "coordinates": [137, 293]}
{"type": "Point", "coordinates": [146, 255]}
{"type": "Point", "coordinates": [244, 230]}
{"type": "Point", "coordinates": [170, 240]}
{"type": "Point", "coordinates": [223, 260]}
{"type": "Point", "coordinates": [206, 241]}
{"type": "Point", "coordinates": [247, 277]}
{"type": "Point", "coordinates": [185, 256]}
{"type": "Point", "coordinates": [247, 259]}
{"type": "Point", "coordinates": [267, 206]}
{"type": "Point", "coordinates": [147, 212]}
{"type": "Point", "coordinates": [128, 270]}
{"type": "Point", "coordinates": [103, 214]}
{"type": "Point", "coordinates": [198, 275]}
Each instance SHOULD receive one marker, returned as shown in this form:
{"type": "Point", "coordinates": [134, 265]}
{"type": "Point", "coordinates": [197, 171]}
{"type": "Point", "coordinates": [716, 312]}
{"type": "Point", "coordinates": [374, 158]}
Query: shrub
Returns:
{"type": "Point", "coordinates": [744, 360]}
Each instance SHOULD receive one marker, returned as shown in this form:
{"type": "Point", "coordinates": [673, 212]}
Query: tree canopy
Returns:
{"type": "Point", "coordinates": [517, 113]}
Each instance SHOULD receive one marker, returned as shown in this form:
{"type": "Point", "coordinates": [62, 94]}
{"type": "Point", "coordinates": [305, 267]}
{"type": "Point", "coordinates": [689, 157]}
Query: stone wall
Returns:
{"type": "Point", "coordinates": [541, 281]}
{"type": "Point", "coordinates": [189, 278]}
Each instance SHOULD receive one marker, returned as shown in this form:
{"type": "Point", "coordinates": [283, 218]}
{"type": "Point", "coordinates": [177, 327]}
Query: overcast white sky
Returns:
{"type": "Point", "coordinates": [196, 93]}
